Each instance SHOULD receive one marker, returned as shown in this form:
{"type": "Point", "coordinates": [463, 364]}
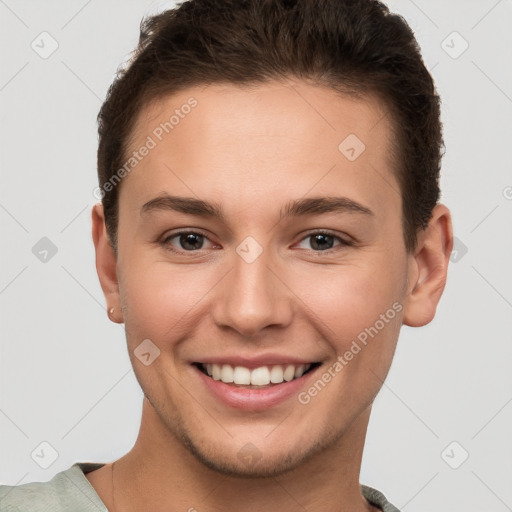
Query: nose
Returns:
{"type": "Point", "coordinates": [252, 296]}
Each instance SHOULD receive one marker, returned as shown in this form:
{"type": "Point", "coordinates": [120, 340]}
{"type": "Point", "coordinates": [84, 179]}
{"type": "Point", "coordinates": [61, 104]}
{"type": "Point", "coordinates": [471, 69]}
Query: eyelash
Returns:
{"type": "Point", "coordinates": [343, 243]}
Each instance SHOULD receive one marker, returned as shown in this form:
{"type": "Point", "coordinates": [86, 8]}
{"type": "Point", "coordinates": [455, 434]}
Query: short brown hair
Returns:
{"type": "Point", "coordinates": [352, 46]}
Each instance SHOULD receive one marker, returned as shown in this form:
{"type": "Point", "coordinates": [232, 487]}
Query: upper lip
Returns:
{"type": "Point", "coordinates": [256, 361]}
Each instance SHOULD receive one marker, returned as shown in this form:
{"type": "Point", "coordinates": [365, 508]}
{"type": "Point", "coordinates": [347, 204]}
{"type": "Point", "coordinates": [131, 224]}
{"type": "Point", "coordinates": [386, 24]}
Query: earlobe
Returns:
{"type": "Point", "coordinates": [428, 269]}
{"type": "Point", "coordinates": [106, 264]}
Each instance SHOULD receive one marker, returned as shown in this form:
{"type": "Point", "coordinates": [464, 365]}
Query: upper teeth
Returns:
{"type": "Point", "coordinates": [261, 376]}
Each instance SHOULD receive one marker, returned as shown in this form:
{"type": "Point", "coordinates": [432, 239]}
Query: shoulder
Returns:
{"type": "Point", "coordinates": [377, 499]}
{"type": "Point", "coordinates": [67, 490]}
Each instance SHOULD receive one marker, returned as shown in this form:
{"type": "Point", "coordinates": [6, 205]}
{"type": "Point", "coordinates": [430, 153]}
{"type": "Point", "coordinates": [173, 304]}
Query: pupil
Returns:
{"type": "Point", "coordinates": [319, 240]}
{"type": "Point", "coordinates": [192, 239]}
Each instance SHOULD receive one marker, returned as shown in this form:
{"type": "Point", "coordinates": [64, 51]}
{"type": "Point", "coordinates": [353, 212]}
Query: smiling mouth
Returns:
{"type": "Point", "coordinates": [263, 376]}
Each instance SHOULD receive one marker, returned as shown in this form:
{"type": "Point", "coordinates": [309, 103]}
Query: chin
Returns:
{"type": "Point", "coordinates": [249, 462]}
{"type": "Point", "coordinates": [253, 460]}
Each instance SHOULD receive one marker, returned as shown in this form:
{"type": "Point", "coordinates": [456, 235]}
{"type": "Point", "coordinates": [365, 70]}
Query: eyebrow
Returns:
{"type": "Point", "coordinates": [295, 208]}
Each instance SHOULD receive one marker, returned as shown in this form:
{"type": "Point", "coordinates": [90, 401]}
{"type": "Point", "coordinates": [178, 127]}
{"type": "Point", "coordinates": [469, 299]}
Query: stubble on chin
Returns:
{"type": "Point", "coordinates": [266, 465]}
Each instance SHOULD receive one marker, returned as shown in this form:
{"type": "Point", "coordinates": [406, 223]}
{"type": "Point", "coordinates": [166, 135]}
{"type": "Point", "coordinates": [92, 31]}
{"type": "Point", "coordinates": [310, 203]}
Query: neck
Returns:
{"type": "Point", "coordinates": [159, 472]}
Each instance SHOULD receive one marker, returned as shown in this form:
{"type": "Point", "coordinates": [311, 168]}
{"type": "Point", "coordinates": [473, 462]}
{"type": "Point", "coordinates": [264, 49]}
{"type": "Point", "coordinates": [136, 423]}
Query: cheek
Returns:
{"type": "Point", "coordinates": [358, 309]}
{"type": "Point", "coordinates": [161, 300]}
{"type": "Point", "coordinates": [350, 298]}
{"type": "Point", "coordinates": [359, 313]}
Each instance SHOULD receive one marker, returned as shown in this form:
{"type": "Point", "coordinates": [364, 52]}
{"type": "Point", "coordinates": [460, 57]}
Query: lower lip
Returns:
{"type": "Point", "coordinates": [253, 398]}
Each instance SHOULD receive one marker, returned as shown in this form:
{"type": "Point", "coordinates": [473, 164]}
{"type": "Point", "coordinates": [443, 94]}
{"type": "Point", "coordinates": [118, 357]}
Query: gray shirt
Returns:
{"type": "Point", "coordinates": [70, 491]}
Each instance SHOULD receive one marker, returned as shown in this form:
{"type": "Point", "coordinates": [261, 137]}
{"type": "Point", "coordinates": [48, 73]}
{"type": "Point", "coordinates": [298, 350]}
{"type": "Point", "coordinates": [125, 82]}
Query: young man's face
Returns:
{"type": "Point", "coordinates": [257, 289]}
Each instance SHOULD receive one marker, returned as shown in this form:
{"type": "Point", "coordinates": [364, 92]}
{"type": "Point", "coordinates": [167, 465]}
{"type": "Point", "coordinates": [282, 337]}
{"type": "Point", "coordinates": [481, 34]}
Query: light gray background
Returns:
{"type": "Point", "coordinates": [65, 374]}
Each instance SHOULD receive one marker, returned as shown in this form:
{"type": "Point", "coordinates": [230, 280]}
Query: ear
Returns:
{"type": "Point", "coordinates": [106, 264]}
{"type": "Point", "coordinates": [427, 269]}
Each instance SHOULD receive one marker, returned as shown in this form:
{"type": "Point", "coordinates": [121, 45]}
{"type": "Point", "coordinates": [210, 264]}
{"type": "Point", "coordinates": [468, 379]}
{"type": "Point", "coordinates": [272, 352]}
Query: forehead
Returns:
{"type": "Point", "coordinates": [238, 143]}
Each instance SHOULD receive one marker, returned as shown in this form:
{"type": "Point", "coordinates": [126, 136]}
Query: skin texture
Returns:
{"type": "Point", "coordinates": [252, 150]}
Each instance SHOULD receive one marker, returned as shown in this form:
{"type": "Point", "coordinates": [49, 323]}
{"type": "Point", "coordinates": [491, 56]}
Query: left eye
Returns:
{"type": "Point", "coordinates": [323, 241]}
